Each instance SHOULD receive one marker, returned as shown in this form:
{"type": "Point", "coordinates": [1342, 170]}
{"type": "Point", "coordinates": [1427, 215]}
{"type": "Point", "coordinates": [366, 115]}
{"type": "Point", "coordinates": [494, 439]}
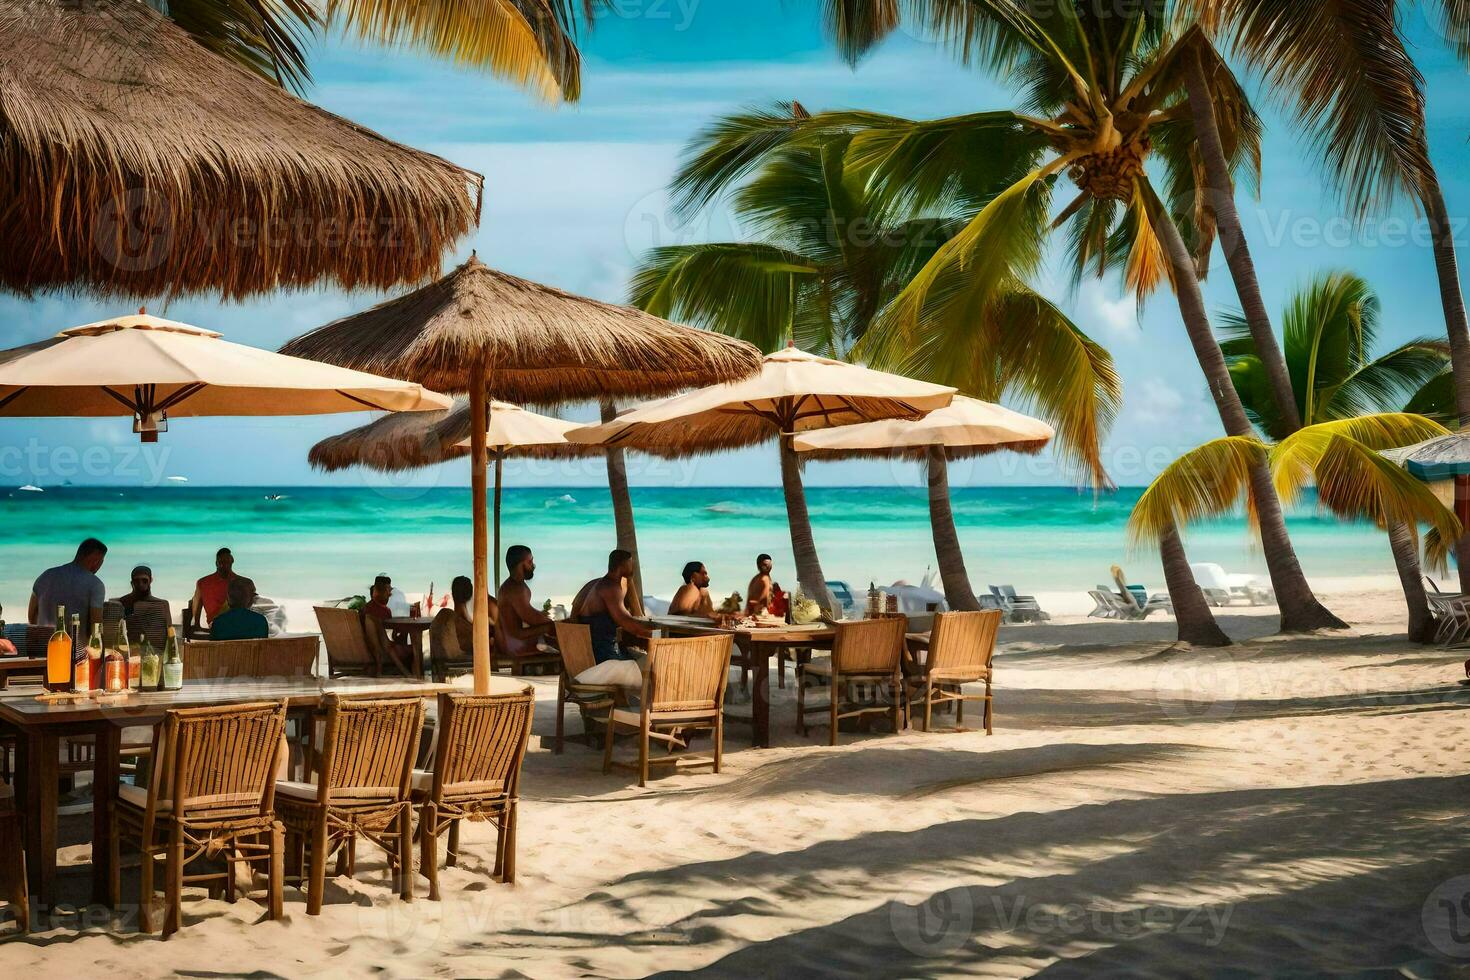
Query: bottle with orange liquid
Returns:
{"type": "Point", "coordinates": [58, 655]}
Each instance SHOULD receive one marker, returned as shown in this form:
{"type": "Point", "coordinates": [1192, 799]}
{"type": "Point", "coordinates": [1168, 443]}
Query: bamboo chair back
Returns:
{"type": "Point", "coordinates": [482, 740]}
{"type": "Point", "coordinates": [278, 656]}
{"type": "Point", "coordinates": [346, 641]}
{"type": "Point", "coordinates": [218, 762]}
{"type": "Point", "coordinates": [150, 618]}
{"type": "Point", "coordinates": [369, 748]}
{"type": "Point", "coordinates": [575, 641]}
{"type": "Point", "coordinates": [687, 673]}
{"type": "Point", "coordinates": [869, 646]}
{"type": "Point", "coordinates": [962, 643]}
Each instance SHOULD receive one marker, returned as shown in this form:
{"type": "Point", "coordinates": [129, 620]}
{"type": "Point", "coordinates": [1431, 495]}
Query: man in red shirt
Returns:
{"type": "Point", "coordinates": [377, 604]}
{"type": "Point", "coordinates": [212, 592]}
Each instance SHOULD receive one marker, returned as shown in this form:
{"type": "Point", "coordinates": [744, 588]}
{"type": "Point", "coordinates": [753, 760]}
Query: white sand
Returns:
{"type": "Point", "coordinates": [1286, 805]}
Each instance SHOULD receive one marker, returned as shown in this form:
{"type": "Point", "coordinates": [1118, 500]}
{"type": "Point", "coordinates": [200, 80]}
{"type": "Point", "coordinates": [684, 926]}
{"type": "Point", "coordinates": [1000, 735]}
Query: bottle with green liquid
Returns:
{"type": "Point", "coordinates": [150, 670]}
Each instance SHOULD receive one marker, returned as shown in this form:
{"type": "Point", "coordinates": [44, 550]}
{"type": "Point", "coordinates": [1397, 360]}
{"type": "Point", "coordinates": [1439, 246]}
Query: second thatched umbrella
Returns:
{"type": "Point", "coordinates": [794, 392]}
{"type": "Point", "coordinates": [967, 427]}
{"type": "Point", "coordinates": [481, 331]}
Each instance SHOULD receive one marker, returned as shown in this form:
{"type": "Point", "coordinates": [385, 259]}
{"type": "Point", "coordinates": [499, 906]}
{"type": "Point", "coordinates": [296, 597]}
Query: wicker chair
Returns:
{"type": "Point", "coordinates": [684, 682]}
{"type": "Point", "coordinates": [211, 793]}
{"type": "Point", "coordinates": [150, 618]}
{"type": "Point", "coordinates": [348, 653]}
{"type": "Point", "coordinates": [960, 650]}
{"type": "Point", "coordinates": [361, 789]}
{"type": "Point", "coordinates": [517, 663]}
{"type": "Point", "coordinates": [476, 776]}
{"type": "Point", "coordinates": [575, 641]}
{"type": "Point", "coordinates": [446, 658]}
{"type": "Point", "coordinates": [13, 862]}
{"type": "Point", "coordinates": [867, 652]}
{"type": "Point", "coordinates": [278, 656]}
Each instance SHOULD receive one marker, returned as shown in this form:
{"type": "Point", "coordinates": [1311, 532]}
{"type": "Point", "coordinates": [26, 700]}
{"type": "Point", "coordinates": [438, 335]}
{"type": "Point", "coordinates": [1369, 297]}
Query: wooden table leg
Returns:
{"type": "Point", "coordinates": [760, 696]}
{"type": "Point", "coordinates": [104, 789]}
{"type": "Point", "coordinates": [39, 773]}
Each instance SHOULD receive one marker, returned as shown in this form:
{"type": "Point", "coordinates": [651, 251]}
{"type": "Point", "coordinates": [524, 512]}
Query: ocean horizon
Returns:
{"type": "Point", "coordinates": [326, 542]}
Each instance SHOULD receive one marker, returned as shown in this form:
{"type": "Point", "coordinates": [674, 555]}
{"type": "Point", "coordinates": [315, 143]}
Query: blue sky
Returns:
{"type": "Point", "coordinates": [574, 193]}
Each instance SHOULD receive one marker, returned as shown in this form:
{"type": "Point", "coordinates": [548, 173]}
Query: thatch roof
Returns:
{"type": "Point", "coordinates": [411, 440]}
{"type": "Point", "coordinates": [540, 345]}
{"type": "Point", "coordinates": [134, 161]}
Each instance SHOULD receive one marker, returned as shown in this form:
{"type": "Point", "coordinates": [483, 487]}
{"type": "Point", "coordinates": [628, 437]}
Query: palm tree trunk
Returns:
{"type": "Point", "coordinates": [1300, 610]}
{"type": "Point", "coordinates": [1192, 613]}
{"type": "Point", "coordinates": [1406, 560]}
{"type": "Point", "coordinates": [803, 546]}
{"type": "Point", "coordinates": [1447, 266]}
{"type": "Point", "coordinates": [957, 590]}
{"type": "Point", "coordinates": [622, 504]}
{"type": "Point", "coordinates": [1237, 252]}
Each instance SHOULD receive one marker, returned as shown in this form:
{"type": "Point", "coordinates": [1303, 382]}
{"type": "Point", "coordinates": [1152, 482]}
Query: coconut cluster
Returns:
{"type": "Point", "coordinates": [1110, 173]}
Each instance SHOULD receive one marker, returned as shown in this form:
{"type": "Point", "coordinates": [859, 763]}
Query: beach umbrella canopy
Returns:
{"type": "Point", "coordinates": [418, 439]}
{"type": "Point", "coordinates": [966, 427]}
{"type": "Point", "coordinates": [135, 161]}
{"type": "Point", "coordinates": [794, 392]}
{"type": "Point", "coordinates": [486, 332]}
{"type": "Point", "coordinates": [152, 368]}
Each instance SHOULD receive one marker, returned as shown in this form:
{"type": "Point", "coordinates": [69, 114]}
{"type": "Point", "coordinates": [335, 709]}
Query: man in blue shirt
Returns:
{"type": "Point", "coordinates": [74, 585]}
{"type": "Point", "coordinates": [240, 622]}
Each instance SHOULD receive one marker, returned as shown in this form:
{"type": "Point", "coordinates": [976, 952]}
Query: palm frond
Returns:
{"type": "Point", "coordinates": [267, 37]}
{"type": "Point", "coordinates": [1207, 481]}
{"type": "Point", "coordinates": [1436, 399]}
{"type": "Point", "coordinates": [1295, 460]}
{"type": "Point", "coordinates": [1387, 382]}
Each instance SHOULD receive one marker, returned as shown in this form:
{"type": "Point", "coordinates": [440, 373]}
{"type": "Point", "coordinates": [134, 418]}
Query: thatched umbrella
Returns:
{"type": "Point", "coordinates": [135, 161]}
{"type": "Point", "coordinates": [794, 392]}
{"type": "Point", "coordinates": [481, 331]}
{"type": "Point", "coordinates": [968, 427]}
{"type": "Point", "coordinates": [150, 368]}
{"type": "Point", "coordinates": [1444, 463]}
{"type": "Point", "coordinates": [418, 439]}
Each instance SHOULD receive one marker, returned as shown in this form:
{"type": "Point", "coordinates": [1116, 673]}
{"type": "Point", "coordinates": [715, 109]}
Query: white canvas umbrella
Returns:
{"type": "Point", "coordinates": [151, 368]}
{"type": "Point", "coordinates": [794, 392]}
{"type": "Point", "coordinates": [966, 427]}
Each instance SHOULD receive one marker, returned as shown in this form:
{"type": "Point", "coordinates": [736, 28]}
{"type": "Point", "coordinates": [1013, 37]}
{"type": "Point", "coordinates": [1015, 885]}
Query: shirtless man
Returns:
{"type": "Point", "coordinates": [603, 605]}
{"type": "Point", "coordinates": [520, 623]}
{"type": "Point", "coordinates": [693, 599]}
{"type": "Point", "coordinates": [758, 596]}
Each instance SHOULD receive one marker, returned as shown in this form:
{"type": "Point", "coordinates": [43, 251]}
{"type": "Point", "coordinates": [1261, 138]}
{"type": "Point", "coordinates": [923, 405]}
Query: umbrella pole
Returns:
{"type": "Point", "coordinates": [499, 458]}
{"type": "Point", "coordinates": [1462, 511]}
{"type": "Point", "coordinates": [479, 463]}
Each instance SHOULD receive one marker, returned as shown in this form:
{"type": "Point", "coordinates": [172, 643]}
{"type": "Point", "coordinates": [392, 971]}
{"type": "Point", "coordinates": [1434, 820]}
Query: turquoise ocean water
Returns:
{"type": "Point", "coordinates": [327, 542]}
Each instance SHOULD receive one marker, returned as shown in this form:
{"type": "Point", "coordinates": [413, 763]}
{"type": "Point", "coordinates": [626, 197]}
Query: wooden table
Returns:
{"type": "Point", "coordinates": [415, 627]}
{"type": "Point", "coordinates": [20, 665]}
{"type": "Point", "coordinates": [756, 644]}
{"type": "Point", "coordinates": [40, 726]}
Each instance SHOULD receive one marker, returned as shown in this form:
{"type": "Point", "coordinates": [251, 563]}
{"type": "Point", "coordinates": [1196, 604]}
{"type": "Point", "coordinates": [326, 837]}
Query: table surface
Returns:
{"type": "Point", "coordinates": [22, 663]}
{"type": "Point", "coordinates": [21, 707]}
{"type": "Point", "coordinates": [788, 633]}
{"type": "Point", "coordinates": [408, 622]}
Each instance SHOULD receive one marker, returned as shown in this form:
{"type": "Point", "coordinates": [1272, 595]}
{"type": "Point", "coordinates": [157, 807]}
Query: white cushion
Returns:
{"type": "Point", "coordinates": [620, 673]}
{"type": "Point", "coordinates": [296, 790]}
{"type": "Point", "coordinates": [628, 716]}
{"type": "Point", "coordinates": [422, 781]}
{"type": "Point", "coordinates": [138, 796]}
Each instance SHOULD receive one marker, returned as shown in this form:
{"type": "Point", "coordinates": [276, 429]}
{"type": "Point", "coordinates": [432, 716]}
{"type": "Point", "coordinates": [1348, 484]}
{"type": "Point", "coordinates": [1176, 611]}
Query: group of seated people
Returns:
{"type": "Point", "coordinates": [222, 600]}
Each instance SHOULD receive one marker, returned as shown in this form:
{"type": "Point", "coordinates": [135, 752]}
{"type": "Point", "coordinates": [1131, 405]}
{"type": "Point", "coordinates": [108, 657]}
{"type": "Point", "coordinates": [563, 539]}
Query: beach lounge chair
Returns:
{"type": "Point", "coordinates": [476, 776]}
{"type": "Point", "coordinates": [961, 646]}
{"type": "Point", "coordinates": [867, 652]}
{"type": "Point", "coordinates": [348, 653]}
{"type": "Point", "coordinates": [13, 862]}
{"type": "Point", "coordinates": [212, 792]}
{"type": "Point", "coordinates": [1451, 612]}
{"type": "Point", "coordinates": [1018, 608]}
{"type": "Point", "coordinates": [361, 789]}
{"type": "Point", "coordinates": [684, 682]}
{"type": "Point", "coordinates": [593, 700]}
{"type": "Point", "coordinates": [1104, 604]}
{"type": "Point", "coordinates": [277, 656]}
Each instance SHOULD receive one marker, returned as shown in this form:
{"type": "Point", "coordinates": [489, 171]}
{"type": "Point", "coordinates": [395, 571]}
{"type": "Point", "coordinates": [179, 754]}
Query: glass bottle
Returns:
{"type": "Point", "coordinates": [135, 664]}
{"type": "Point", "coordinates": [173, 666]}
{"type": "Point", "coordinates": [58, 655]}
{"type": "Point", "coordinates": [150, 670]}
{"type": "Point", "coordinates": [123, 649]}
{"type": "Point", "coordinates": [94, 658]}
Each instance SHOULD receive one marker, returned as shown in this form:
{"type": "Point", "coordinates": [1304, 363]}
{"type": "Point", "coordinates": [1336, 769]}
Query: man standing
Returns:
{"type": "Point", "coordinates": [758, 596]}
{"type": "Point", "coordinates": [213, 591]}
{"type": "Point", "coordinates": [520, 623]}
{"type": "Point", "coordinates": [693, 599]}
{"type": "Point", "coordinates": [74, 585]}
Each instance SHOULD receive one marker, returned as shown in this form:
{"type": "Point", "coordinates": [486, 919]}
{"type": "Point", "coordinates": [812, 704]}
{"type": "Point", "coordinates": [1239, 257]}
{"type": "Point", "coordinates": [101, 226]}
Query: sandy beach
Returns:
{"type": "Point", "coordinates": [1283, 805]}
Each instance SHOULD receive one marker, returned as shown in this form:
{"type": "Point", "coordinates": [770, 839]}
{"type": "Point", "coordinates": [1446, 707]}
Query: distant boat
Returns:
{"type": "Point", "coordinates": [177, 479]}
{"type": "Point", "coordinates": [275, 496]}
{"type": "Point", "coordinates": [29, 488]}
{"type": "Point", "coordinates": [565, 498]}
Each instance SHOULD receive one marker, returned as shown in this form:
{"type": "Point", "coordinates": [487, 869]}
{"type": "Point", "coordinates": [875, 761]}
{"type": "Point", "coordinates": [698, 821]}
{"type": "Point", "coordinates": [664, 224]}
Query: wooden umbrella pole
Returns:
{"type": "Point", "coordinates": [479, 463]}
{"type": "Point", "coordinates": [499, 458]}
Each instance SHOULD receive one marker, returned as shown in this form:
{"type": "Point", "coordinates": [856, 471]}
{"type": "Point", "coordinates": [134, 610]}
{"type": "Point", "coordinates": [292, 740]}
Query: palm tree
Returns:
{"type": "Point", "coordinates": [827, 260]}
{"type": "Point", "coordinates": [1329, 329]}
{"type": "Point", "coordinates": [530, 42]}
{"type": "Point", "coordinates": [1101, 94]}
{"type": "Point", "coordinates": [1342, 456]}
{"type": "Point", "coordinates": [1346, 70]}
